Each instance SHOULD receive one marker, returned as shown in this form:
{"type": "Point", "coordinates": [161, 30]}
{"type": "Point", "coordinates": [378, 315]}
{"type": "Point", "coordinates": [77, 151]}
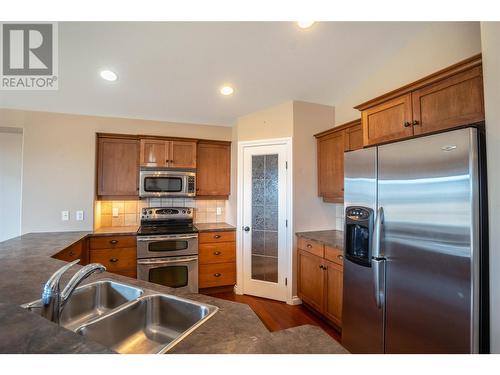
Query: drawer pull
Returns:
{"type": "Point", "coordinates": [309, 245]}
{"type": "Point", "coordinates": [340, 257]}
{"type": "Point", "coordinates": [217, 274]}
{"type": "Point", "coordinates": [113, 242]}
{"type": "Point", "coordinates": [217, 252]}
{"type": "Point", "coordinates": [71, 253]}
{"type": "Point", "coordinates": [217, 236]}
{"type": "Point", "coordinates": [113, 260]}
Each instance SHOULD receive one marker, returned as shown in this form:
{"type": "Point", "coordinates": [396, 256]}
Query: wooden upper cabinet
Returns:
{"type": "Point", "coordinates": [450, 98]}
{"type": "Point", "coordinates": [117, 167]}
{"type": "Point", "coordinates": [213, 169]}
{"type": "Point", "coordinates": [331, 166]}
{"type": "Point", "coordinates": [182, 154]}
{"type": "Point", "coordinates": [387, 121]}
{"type": "Point", "coordinates": [310, 279]}
{"type": "Point", "coordinates": [154, 153]}
{"type": "Point", "coordinates": [452, 102]}
{"type": "Point", "coordinates": [167, 153]}
{"type": "Point", "coordinates": [354, 138]}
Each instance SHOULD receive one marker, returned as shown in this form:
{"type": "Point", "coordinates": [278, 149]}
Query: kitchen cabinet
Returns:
{"type": "Point", "coordinates": [156, 152]}
{"type": "Point", "coordinates": [450, 98]}
{"type": "Point", "coordinates": [117, 167]}
{"type": "Point", "coordinates": [76, 251]}
{"type": "Point", "coordinates": [320, 278]}
{"type": "Point", "coordinates": [213, 170]}
{"type": "Point", "coordinates": [331, 145]}
{"type": "Point", "coordinates": [217, 259]}
{"type": "Point", "coordinates": [117, 253]}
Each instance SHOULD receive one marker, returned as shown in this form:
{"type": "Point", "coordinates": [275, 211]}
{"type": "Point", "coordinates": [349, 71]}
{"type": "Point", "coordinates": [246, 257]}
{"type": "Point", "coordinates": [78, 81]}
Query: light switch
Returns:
{"type": "Point", "coordinates": [64, 215]}
{"type": "Point", "coordinates": [219, 211]}
{"type": "Point", "coordinates": [115, 212]}
{"type": "Point", "coordinates": [79, 215]}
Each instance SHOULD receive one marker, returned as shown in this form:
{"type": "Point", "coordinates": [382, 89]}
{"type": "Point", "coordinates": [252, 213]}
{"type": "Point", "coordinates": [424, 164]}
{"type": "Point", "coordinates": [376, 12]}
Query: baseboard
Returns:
{"type": "Point", "coordinates": [294, 301]}
{"type": "Point", "coordinates": [238, 290]}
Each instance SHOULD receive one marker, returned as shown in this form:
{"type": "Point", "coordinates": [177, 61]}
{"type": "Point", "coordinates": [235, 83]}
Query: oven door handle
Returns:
{"type": "Point", "coordinates": [165, 261]}
{"type": "Point", "coordinates": [161, 238]}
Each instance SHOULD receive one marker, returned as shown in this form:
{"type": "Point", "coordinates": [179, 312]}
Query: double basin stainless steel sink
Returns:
{"type": "Point", "coordinates": [127, 319]}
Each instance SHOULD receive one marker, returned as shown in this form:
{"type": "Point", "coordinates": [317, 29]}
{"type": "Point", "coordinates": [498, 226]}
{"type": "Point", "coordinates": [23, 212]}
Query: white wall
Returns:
{"type": "Point", "coordinates": [11, 148]}
{"type": "Point", "coordinates": [490, 40]}
{"type": "Point", "coordinates": [59, 161]}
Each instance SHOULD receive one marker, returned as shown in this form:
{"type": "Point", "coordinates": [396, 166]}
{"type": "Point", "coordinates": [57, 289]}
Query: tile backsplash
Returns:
{"type": "Point", "coordinates": [128, 212]}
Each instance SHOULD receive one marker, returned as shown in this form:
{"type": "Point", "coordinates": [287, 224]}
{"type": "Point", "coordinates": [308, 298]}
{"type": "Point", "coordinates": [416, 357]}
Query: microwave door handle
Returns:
{"type": "Point", "coordinates": [163, 261]}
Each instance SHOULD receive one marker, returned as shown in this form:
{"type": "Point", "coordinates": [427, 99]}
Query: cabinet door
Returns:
{"type": "Point", "coordinates": [182, 154]}
{"type": "Point", "coordinates": [213, 170]}
{"type": "Point", "coordinates": [154, 153]}
{"type": "Point", "coordinates": [310, 279]}
{"type": "Point", "coordinates": [331, 167]}
{"type": "Point", "coordinates": [117, 167]}
{"type": "Point", "coordinates": [388, 121]}
{"type": "Point", "coordinates": [354, 138]}
{"type": "Point", "coordinates": [452, 102]}
{"type": "Point", "coordinates": [333, 291]}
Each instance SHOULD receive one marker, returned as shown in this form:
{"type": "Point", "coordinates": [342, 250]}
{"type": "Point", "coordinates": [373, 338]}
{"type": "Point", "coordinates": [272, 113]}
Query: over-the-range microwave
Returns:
{"type": "Point", "coordinates": [156, 183]}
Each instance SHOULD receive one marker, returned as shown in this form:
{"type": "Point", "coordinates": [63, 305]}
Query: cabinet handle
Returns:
{"type": "Point", "coordinates": [321, 266]}
{"type": "Point", "coordinates": [217, 274]}
{"type": "Point", "coordinates": [71, 253]}
{"type": "Point", "coordinates": [415, 122]}
{"type": "Point", "coordinates": [216, 252]}
{"type": "Point", "coordinates": [309, 245]}
{"type": "Point", "coordinates": [406, 124]}
{"type": "Point", "coordinates": [113, 242]}
{"type": "Point", "coordinates": [217, 236]}
{"type": "Point", "coordinates": [113, 260]}
{"type": "Point", "coordinates": [340, 257]}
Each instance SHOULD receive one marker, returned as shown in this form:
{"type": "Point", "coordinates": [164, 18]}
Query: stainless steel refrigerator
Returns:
{"type": "Point", "coordinates": [415, 269]}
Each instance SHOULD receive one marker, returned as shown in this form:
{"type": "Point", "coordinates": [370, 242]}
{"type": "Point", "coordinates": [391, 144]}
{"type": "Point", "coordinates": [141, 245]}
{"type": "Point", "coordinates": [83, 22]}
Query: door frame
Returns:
{"type": "Point", "coordinates": [287, 142]}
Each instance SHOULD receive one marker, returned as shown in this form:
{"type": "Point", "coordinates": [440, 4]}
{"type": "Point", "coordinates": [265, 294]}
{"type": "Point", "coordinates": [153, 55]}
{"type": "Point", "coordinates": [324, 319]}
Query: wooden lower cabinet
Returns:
{"type": "Point", "coordinates": [74, 252]}
{"type": "Point", "coordinates": [217, 259]}
{"type": "Point", "coordinates": [117, 253]}
{"type": "Point", "coordinates": [320, 283]}
{"type": "Point", "coordinates": [311, 279]}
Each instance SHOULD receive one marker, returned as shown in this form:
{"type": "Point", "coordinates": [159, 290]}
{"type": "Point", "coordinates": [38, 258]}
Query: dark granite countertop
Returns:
{"type": "Point", "coordinates": [26, 263]}
{"type": "Point", "coordinates": [128, 230]}
{"type": "Point", "coordinates": [334, 238]}
{"type": "Point", "coordinates": [214, 227]}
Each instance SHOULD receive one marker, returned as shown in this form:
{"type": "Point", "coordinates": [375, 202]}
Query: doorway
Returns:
{"type": "Point", "coordinates": [264, 230]}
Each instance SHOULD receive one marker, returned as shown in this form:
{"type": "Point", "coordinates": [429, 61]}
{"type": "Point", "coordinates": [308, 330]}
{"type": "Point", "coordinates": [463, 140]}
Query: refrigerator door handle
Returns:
{"type": "Point", "coordinates": [377, 231]}
{"type": "Point", "coordinates": [378, 266]}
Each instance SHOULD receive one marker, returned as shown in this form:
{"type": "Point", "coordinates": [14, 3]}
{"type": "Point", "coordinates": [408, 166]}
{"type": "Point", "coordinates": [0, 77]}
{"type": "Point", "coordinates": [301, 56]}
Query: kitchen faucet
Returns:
{"type": "Point", "coordinates": [53, 300]}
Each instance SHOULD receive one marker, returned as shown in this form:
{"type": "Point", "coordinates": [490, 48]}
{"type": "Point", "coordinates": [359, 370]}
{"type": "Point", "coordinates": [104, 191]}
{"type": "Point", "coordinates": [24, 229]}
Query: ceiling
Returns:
{"type": "Point", "coordinates": [172, 71]}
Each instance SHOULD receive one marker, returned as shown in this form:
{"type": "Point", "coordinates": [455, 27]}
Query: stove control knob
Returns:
{"type": "Point", "coordinates": [188, 211]}
{"type": "Point", "coordinates": [183, 211]}
{"type": "Point", "coordinates": [150, 212]}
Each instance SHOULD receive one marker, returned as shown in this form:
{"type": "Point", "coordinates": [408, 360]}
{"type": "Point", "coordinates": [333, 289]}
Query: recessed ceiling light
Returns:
{"type": "Point", "coordinates": [305, 24]}
{"type": "Point", "coordinates": [108, 75]}
{"type": "Point", "coordinates": [226, 90]}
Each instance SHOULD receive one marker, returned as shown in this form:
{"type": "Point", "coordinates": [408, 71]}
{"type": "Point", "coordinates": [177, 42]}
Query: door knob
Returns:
{"type": "Point", "coordinates": [246, 229]}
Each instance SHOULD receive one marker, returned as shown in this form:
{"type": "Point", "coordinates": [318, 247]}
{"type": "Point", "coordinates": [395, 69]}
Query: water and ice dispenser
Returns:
{"type": "Point", "coordinates": [358, 234]}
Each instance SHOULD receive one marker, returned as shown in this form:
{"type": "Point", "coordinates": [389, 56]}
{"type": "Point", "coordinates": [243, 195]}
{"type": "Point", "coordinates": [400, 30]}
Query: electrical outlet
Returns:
{"type": "Point", "coordinates": [219, 211]}
{"type": "Point", "coordinates": [79, 215]}
{"type": "Point", "coordinates": [64, 215]}
{"type": "Point", "coordinates": [115, 211]}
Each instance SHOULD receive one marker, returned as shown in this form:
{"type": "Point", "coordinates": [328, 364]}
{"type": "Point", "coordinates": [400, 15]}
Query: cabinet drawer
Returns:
{"type": "Point", "coordinates": [334, 255]}
{"type": "Point", "coordinates": [71, 253]}
{"type": "Point", "coordinates": [122, 261]}
{"type": "Point", "coordinates": [217, 252]}
{"type": "Point", "coordinates": [107, 242]}
{"type": "Point", "coordinates": [209, 237]}
{"type": "Point", "coordinates": [312, 247]}
{"type": "Point", "coordinates": [218, 274]}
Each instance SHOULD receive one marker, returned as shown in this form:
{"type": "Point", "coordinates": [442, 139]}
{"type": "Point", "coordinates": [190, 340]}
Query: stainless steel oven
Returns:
{"type": "Point", "coordinates": [166, 183]}
{"type": "Point", "coordinates": [169, 259]}
{"type": "Point", "coordinates": [174, 272]}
